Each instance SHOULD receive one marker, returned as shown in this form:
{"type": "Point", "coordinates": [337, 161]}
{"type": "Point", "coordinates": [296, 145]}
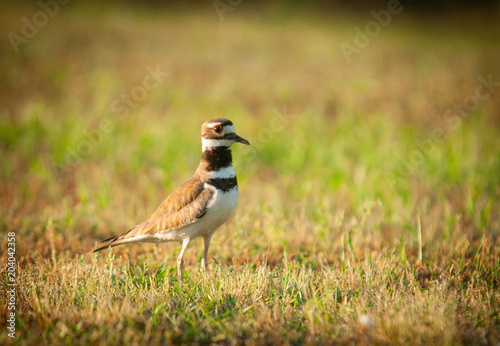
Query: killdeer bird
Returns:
{"type": "Point", "coordinates": [200, 205]}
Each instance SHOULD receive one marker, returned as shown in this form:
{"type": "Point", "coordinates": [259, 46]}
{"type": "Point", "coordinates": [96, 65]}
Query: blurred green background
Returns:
{"type": "Point", "coordinates": [353, 110]}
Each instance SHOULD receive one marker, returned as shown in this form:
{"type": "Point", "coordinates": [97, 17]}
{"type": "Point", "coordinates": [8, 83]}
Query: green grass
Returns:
{"type": "Point", "coordinates": [351, 227]}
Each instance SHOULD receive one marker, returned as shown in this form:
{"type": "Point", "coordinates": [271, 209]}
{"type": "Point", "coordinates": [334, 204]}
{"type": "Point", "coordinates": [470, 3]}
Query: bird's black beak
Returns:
{"type": "Point", "coordinates": [240, 139]}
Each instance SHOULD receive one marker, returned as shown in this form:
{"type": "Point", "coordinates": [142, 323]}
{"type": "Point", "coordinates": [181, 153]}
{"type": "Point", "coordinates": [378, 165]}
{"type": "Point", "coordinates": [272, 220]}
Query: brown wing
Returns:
{"type": "Point", "coordinates": [187, 204]}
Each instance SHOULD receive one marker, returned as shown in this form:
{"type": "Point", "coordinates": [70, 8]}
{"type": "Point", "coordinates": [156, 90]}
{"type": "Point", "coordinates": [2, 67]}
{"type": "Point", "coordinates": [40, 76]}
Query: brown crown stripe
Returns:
{"type": "Point", "coordinates": [224, 184]}
{"type": "Point", "coordinates": [222, 121]}
{"type": "Point", "coordinates": [216, 158]}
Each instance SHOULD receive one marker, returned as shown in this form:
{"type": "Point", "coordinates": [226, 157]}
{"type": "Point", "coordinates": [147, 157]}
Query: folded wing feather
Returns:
{"type": "Point", "coordinates": [184, 206]}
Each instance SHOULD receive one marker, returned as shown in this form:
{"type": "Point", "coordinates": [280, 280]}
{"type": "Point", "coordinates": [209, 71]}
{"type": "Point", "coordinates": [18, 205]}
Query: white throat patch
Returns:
{"type": "Point", "coordinates": [207, 143]}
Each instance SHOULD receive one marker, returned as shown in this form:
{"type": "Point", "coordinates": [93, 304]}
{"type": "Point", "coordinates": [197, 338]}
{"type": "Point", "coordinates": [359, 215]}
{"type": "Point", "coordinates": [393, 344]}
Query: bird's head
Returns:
{"type": "Point", "coordinates": [219, 132]}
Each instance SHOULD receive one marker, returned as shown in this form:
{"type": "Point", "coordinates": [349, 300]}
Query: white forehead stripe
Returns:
{"type": "Point", "coordinates": [207, 143]}
{"type": "Point", "coordinates": [210, 125]}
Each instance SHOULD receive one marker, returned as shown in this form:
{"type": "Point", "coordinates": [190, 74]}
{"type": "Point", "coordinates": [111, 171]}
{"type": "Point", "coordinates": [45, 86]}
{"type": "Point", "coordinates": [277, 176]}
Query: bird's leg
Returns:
{"type": "Point", "coordinates": [180, 261]}
{"type": "Point", "coordinates": [206, 239]}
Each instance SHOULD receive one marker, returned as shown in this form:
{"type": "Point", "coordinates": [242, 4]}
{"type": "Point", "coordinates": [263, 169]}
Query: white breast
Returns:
{"type": "Point", "coordinates": [220, 208]}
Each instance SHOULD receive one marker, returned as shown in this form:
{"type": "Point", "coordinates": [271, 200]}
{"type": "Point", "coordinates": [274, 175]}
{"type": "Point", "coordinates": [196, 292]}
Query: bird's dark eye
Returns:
{"type": "Point", "coordinates": [218, 129]}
